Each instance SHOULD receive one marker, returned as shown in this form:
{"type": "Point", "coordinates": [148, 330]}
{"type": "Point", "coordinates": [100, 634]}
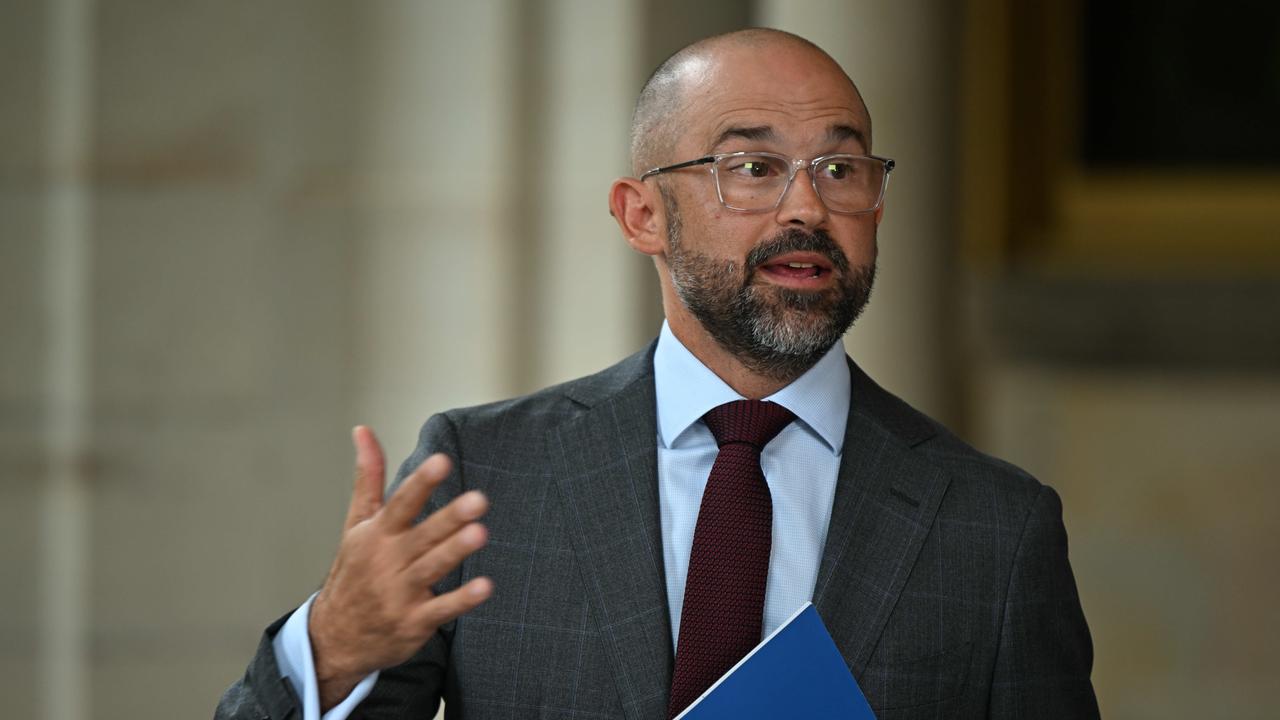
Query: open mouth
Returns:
{"type": "Point", "coordinates": [802, 268]}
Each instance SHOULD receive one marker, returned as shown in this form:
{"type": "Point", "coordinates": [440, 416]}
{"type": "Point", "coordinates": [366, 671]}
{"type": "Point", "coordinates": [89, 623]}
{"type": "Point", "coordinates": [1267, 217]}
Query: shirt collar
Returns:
{"type": "Point", "coordinates": [686, 389]}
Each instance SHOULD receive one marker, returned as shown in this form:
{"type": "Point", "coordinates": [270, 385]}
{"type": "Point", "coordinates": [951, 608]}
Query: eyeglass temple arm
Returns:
{"type": "Point", "coordinates": [679, 166]}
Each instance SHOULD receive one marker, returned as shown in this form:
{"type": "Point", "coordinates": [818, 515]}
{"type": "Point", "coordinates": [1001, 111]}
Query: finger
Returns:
{"type": "Point", "coordinates": [440, 560]}
{"type": "Point", "coordinates": [366, 495]}
{"type": "Point", "coordinates": [448, 520]}
{"type": "Point", "coordinates": [408, 499]}
{"type": "Point", "coordinates": [447, 607]}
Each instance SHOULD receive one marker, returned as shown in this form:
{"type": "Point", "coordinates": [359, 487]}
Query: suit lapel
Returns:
{"type": "Point", "coordinates": [605, 464]}
{"type": "Point", "coordinates": [885, 501]}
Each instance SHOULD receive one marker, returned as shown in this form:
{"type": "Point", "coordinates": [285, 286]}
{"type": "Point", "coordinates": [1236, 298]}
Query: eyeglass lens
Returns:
{"type": "Point", "coordinates": [846, 183]}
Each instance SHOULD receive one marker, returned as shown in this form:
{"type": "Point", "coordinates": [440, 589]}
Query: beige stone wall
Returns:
{"type": "Point", "coordinates": [230, 231]}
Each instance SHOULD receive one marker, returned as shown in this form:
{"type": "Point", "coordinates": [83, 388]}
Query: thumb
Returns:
{"type": "Point", "coordinates": [366, 496]}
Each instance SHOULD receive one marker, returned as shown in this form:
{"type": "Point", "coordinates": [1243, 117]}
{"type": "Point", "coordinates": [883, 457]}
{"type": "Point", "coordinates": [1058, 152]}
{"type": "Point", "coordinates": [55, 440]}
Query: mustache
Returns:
{"type": "Point", "coordinates": [796, 240]}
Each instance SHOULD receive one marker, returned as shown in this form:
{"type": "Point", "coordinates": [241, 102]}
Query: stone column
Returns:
{"type": "Point", "coordinates": [215, 360]}
{"type": "Point", "coordinates": [487, 264]}
{"type": "Point", "coordinates": [438, 175]}
{"type": "Point", "coordinates": [900, 56]}
{"type": "Point", "coordinates": [588, 278]}
{"type": "Point", "coordinates": [63, 556]}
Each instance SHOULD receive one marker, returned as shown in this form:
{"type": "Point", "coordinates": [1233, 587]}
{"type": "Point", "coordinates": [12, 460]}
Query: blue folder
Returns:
{"type": "Point", "coordinates": [796, 672]}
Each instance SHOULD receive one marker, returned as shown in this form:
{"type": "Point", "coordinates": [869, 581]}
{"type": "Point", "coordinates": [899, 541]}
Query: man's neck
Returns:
{"type": "Point", "coordinates": [743, 379]}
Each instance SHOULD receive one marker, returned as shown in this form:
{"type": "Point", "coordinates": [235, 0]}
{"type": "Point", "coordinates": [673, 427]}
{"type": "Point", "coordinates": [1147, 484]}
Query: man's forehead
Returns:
{"type": "Point", "coordinates": [821, 125]}
{"type": "Point", "coordinates": [786, 95]}
{"type": "Point", "coordinates": [836, 127]}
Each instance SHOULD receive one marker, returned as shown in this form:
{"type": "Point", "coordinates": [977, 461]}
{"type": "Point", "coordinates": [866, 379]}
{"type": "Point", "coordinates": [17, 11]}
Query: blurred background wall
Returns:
{"type": "Point", "coordinates": [230, 231]}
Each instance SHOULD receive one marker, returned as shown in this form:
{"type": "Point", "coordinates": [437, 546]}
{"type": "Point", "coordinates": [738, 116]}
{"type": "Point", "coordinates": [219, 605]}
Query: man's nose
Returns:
{"type": "Point", "coordinates": [801, 204]}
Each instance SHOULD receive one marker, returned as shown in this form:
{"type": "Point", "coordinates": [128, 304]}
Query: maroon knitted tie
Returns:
{"type": "Point", "coordinates": [723, 611]}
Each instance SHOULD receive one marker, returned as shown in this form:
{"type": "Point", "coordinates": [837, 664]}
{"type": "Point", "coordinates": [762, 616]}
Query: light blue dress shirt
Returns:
{"type": "Point", "coordinates": [800, 466]}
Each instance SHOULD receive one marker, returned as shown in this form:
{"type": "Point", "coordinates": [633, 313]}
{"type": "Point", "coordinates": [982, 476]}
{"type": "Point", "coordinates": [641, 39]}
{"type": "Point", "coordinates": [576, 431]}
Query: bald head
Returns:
{"type": "Point", "coordinates": [685, 76]}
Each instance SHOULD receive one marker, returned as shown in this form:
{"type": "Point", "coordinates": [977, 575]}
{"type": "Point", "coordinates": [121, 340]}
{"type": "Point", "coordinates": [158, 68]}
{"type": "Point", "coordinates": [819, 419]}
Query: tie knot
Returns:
{"type": "Point", "coordinates": [754, 422]}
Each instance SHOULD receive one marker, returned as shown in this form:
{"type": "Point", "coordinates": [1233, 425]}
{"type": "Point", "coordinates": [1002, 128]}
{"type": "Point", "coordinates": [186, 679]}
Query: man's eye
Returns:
{"type": "Point", "coordinates": [752, 168]}
{"type": "Point", "coordinates": [837, 170]}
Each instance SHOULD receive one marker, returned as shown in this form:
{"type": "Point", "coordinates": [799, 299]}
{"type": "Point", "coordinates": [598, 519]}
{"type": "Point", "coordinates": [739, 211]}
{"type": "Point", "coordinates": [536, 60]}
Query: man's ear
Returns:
{"type": "Point", "coordinates": [635, 207]}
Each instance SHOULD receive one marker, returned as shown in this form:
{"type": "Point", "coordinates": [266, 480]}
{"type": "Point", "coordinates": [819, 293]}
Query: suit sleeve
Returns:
{"type": "Point", "coordinates": [1045, 653]}
{"type": "Point", "coordinates": [263, 692]}
{"type": "Point", "coordinates": [410, 690]}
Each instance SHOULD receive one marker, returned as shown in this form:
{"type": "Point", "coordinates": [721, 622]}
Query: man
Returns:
{"type": "Point", "coordinates": [637, 542]}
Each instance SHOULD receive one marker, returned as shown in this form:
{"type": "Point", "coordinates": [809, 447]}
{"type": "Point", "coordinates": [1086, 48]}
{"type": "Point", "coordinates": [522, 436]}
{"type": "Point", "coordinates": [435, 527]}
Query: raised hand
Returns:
{"type": "Point", "coordinates": [376, 608]}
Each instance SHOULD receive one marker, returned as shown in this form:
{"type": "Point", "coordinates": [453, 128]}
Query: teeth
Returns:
{"type": "Point", "coordinates": [800, 265]}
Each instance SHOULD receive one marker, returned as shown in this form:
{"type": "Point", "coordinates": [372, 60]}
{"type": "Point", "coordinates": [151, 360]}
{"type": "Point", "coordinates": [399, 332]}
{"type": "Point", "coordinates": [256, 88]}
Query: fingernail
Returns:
{"type": "Point", "coordinates": [477, 589]}
{"type": "Point", "coordinates": [473, 502]}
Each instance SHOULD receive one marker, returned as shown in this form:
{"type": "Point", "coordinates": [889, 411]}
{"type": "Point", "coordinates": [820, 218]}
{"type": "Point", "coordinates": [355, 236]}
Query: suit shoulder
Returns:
{"type": "Point", "coordinates": [543, 407]}
{"type": "Point", "coordinates": [968, 464]}
{"type": "Point", "coordinates": [982, 488]}
{"type": "Point", "coordinates": [935, 442]}
{"type": "Point", "coordinates": [551, 405]}
{"type": "Point", "coordinates": [973, 473]}
{"type": "Point", "coordinates": [505, 434]}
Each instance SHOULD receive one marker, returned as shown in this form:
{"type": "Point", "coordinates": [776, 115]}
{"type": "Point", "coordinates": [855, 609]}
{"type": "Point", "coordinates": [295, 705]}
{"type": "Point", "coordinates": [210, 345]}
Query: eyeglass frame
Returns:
{"type": "Point", "coordinates": [795, 163]}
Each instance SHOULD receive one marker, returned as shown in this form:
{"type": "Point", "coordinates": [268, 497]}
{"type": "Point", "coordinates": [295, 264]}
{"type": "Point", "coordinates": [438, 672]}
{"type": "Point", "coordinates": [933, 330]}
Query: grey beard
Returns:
{"type": "Point", "coordinates": [774, 331]}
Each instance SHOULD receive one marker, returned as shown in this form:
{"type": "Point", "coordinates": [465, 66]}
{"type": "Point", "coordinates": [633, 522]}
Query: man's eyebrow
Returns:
{"type": "Point", "coordinates": [759, 133]}
{"type": "Point", "coordinates": [841, 133]}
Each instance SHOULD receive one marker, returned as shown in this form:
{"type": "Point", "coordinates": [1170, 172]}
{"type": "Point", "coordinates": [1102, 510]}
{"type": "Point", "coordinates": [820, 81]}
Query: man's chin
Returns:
{"type": "Point", "coordinates": [798, 304]}
{"type": "Point", "coordinates": [798, 330]}
{"type": "Point", "coordinates": [802, 336]}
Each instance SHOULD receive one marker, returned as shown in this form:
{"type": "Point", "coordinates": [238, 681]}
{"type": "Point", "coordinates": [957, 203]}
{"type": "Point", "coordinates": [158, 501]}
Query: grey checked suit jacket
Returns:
{"type": "Point", "coordinates": [944, 579]}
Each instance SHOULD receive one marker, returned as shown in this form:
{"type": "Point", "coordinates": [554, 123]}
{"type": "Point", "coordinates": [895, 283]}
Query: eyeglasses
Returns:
{"type": "Point", "coordinates": [757, 181]}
